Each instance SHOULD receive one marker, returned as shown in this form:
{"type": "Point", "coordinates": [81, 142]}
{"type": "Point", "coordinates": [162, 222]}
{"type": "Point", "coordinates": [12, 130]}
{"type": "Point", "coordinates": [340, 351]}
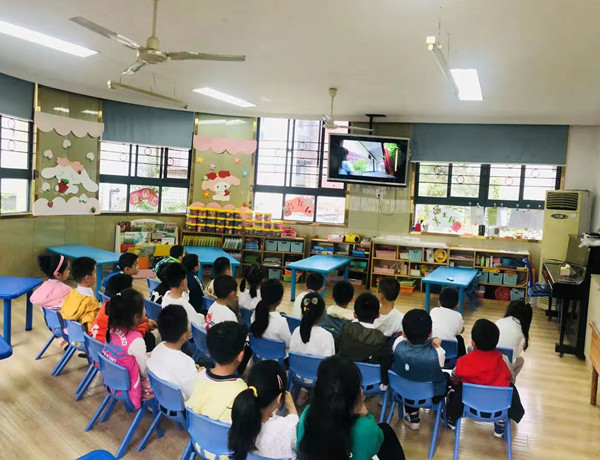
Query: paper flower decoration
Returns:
{"type": "Point", "coordinates": [66, 144]}
{"type": "Point", "coordinates": [236, 160]}
{"type": "Point", "coordinates": [206, 194]}
{"type": "Point", "coordinates": [245, 173]}
{"type": "Point", "coordinates": [212, 166]}
{"type": "Point", "coordinates": [199, 160]}
{"type": "Point", "coordinates": [456, 226]}
{"type": "Point", "coordinates": [48, 154]}
{"type": "Point", "coordinates": [45, 187]}
{"type": "Point", "coordinates": [90, 156]}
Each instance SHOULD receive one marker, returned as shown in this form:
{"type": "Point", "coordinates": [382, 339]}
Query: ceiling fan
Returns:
{"type": "Point", "coordinates": [151, 53]}
{"type": "Point", "coordinates": [329, 122]}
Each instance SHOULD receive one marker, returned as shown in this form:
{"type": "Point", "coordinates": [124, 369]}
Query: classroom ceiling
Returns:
{"type": "Point", "coordinates": [538, 60]}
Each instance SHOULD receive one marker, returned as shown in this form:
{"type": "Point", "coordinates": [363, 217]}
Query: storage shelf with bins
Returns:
{"type": "Point", "coordinates": [360, 252]}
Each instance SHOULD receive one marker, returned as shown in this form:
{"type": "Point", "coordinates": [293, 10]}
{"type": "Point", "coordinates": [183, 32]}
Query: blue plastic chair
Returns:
{"type": "Point", "coordinates": [332, 325]}
{"type": "Point", "coordinates": [451, 349]}
{"type": "Point", "coordinates": [207, 302]}
{"type": "Point", "coordinates": [303, 371]}
{"type": "Point", "coordinates": [5, 349]}
{"type": "Point", "coordinates": [152, 309]}
{"type": "Point", "coordinates": [293, 323]}
{"type": "Point", "coordinates": [486, 404]}
{"type": "Point", "coordinates": [98, 455]}
{"type": "Point", "coordinates": [152, 284]}
{"type": "Point", "coordinates": [263, 349]}
{"type": "Point", "coordinates": [508, 352]}
{"type": "Point", "coordinates": [252, 456]}
{"type": "Point", "coordinates": [76, 337]}
{"type": "Point", "coordinates": [246, 316]}
{"type": "Point", "coordinates": [170, 404]}
{"type": "Point", "coordinates": [116, 382]}
{"type": "Point", "coordinates": [207, 436]}
{"type": "Point", "coordinates": [414, 394]}
{"type": "Point", "coordinates": [539, 289]}
{"type": "Point", "coordinates": [470, 292]}
{"type": "Point", "coordinates": [201, 349]}
{"type": "Point", "coordinates": [56, 325]}
{"type": "Point", "coordinates": [370, 377]}
{"type": "Point", "coordinates": [94, 348]}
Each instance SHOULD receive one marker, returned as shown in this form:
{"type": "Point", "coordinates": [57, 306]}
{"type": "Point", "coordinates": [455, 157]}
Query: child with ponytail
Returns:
{"type": "Point", "coordinates": [125, 345]}
{"type": "Point", "coordinates": [255, 426]}
{"type": "Point", "coordinates": [248, 299]}
{"type": "Point", "coordinates": [266, 321]}
{"type": "Point", "coordinates": [310, 338]}
{"type": "Point", "coordinates": [54, 290]}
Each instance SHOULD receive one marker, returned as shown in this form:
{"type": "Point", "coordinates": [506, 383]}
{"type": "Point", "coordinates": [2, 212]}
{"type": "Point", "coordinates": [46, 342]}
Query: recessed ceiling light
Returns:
{"type": "Point", "coordinates": [224, 97]}
{"type": "Point", "coordinates": [90, 112]}
{"type": "Point", "coordinates": [44, 40]}
{"type": "Point", "coordinates": [61, 109]}
{"type": "Point", "coordinates": [222, 122]}
{"type": "Point", "coordinates": [468, 85]}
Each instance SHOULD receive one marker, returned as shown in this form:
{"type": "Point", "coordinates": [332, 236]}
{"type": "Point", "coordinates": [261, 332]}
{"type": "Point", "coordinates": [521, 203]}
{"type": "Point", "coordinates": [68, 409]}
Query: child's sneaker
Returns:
{"type": "Point", "coordinates": [499, 429]}
{"type": "Point", "coordinates": [452, 424]}
{"type": "Point", "coordinates": [412, 420]}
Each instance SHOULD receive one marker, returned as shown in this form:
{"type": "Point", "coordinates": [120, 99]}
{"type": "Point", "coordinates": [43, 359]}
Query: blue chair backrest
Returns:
{"type": "Point", "coordinates": [305, 366]}
{"type": "Point", "coordinates": [529, 272]}
{"type": "Point", "coordinates": [246, 316]}
{"type": "Point", "coordinates": [419, 392]}
{"type": "Point", "coordinates": [152, 285]}
{"type": "Point", "coordinates": [267, 348]}
{"type": "Point", "coordinates": [508, 352]}
{"type": "Point", "coordinates": [168, 395]}
{"type": "Point", "coordinates": [208, 435]}
{"type": "Point", "coordinates": [451, 348]}
{"type": "Point", "coordinates": [486, 398]}
{"type": "Point", "coordinates": [54, 322]}
{"type": "Point", "coordinates": [104, 298]}
{"type": "Point", "coordinates": [152, 309]}
{"type": "Point", "coordinates": [6, 350]}
{"type": "Point", "coordinates": [331, 324]}
{"type": "Point", "coordinates": [199, 336]}
{"type": "Point", "coordinates": [98, 455]}
{"type": "Point", "coordinates": [207, 302]}
{"type": "Point", "coordinates": [293, 322]}
{"type": "Point", "coordinates": [115, 377]}
{"type": "Point", "coordinates": [76, 334]}
{"type": "Point", "coordinates": [371, 374]}
{"type": "Point", "coordinates": [94, 347]}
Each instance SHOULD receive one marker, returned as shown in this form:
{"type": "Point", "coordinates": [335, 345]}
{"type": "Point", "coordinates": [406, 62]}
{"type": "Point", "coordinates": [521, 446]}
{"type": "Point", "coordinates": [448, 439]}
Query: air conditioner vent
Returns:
{"type": "Point", "coordinates": [562, 201]}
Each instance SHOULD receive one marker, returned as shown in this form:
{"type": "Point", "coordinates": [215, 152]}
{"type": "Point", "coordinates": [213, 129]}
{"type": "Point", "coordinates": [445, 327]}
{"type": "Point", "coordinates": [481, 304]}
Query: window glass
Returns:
{"type": "Point", "coordinates": [538, 180]}
{"type": "Point", "coordinates": [177, 164]}
{"type": "Point", "coordinates": [505, 182]}
{"type": "Point", "coordinates": [143, 198]}
{"type": "Point", "coordinates": [465, 180]}
{"type": "Point", "coordinates": [174, 199]}
{"type": "Point", "coordinates": [114, 158]}
{"type": "Point", "coordinates": [433, 180]}
{"type": "Point", "coordinates": [300, 208]}
{"type": "Point", "coordinates": [331, 209]}
{"type": "Point", "coordinates": [14, 195]}
{"type": "Point", "coordinates": [149, 161]}
{"type": "Point", "coordinates": [113, 197]}
{"type": "Point", "coordinates": [269, 202]}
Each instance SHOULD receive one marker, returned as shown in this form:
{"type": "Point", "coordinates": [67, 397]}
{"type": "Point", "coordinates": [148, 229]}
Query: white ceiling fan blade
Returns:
{"type": "Point", "coordinates": [133, 68]}
{"type": "Point", "coordinates": [106, 32]}
{"type": "Point", "coordinates": [185, 55]}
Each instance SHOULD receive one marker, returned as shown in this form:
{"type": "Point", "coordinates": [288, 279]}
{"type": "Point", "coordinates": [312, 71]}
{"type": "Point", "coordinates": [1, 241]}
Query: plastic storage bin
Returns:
{"type": "Point", "coordinates": [484, 278]}
{"type": "Point", "coordinates": [415, 255]}
{"type": "Point", "coordinates": [296, 246]}
{"type": "Point", "coordinates": [270, 245]}
{"type": "Point", "coordinates": [517, 294]}
{"type": "Point", "coordinates": [511, 279]}
{"type": "Point", "coordinates": [496, 278]}
{"type": "Point", "coordinates": [283, 246]}
{"type": "Point", "coordinates": [274, 273]}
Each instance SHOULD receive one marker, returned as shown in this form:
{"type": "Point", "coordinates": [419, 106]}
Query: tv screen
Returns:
{"type": "Point", "coordinates": [368, 159]}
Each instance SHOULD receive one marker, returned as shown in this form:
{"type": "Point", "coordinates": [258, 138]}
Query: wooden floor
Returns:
{"type": "Point", "coordinates": [40, 419]}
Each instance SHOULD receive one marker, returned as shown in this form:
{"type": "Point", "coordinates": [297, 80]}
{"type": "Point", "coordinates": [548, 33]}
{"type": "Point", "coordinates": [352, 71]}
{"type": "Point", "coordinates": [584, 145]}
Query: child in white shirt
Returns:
{"type": "Point", "coordinates": [266, 321]}
{"type": "Point", "coordinates": [175, 277]}
{"type": "Point", "coordinates": [343, 293]}
{"type": "Point", "coordinates": [221, 310]}
{"type": "Point", "coordinates": [249, 299]}
{"type": "Point", "coordinates": [315, 282]}
{"type": "Point", "coordinates": [221, 266]}
{"type": "Point", "coordinates": [167, 361]}
{"type": "Point", "coordinates": [310, 338]}
{"type": "Point", "coordinates": [255, 427]}
{"type": "Point", "coordinates": [514, 331]}
{"type": "Point", "coordinates": [390, 319]}
{"type": "Point", "coordinates": [447, 321]}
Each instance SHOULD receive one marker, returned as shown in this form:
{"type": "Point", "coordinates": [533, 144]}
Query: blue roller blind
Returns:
{"type": "Point", "coordinates": [16, 97]}
{"type": "Point", "coordinates": [518, 144]}
{"type": "Point", "coordinates": [139, 124]}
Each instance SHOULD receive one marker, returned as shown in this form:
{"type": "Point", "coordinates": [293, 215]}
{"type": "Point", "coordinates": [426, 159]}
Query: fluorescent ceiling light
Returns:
{"type": "Point", "coordinates": [467, 82]}
{"type": "Point", "coordinates": [224, 97]}
{"type": "Point", "coordinates": [222, 122]}
{"type": "Point", "coordinates": [61, 109]}
{"type": "Point", "coordinates": [90, 112]}
{"type": "Point", "coordinates": [44, 40]}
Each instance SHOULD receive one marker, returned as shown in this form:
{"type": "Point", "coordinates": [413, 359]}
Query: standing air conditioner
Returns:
{"type": "Point", "coordinates": [566, 212]}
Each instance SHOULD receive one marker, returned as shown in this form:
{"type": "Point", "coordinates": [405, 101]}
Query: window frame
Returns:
{"type": "Point", "coordinates": [287, 188]}
{"type": "Point", "coordinates": [132, 179]}
{"type": "Point", "coordinates": [16, 173]}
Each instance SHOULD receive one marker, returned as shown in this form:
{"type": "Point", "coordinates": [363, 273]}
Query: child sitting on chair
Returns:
{"type": "Point", "coordinates": [223, 309]}
{"type": "Point", "coordinates": [176, 254]}
{"type": "Point", "coordinates": [447, 321]}
{"type": "Point", "coordinates": [81, 304]}
{"type": "Point", "coordinates": [514, 331]}
{"type": "Point", "coordinates": [194, 283]}
{"type": "Point", "coordinates": [175, 278]}
{"type": "Point", "coordinates": [310, 338]}
{"type": "Point", "coordinates": [266, 321]}
{"type": "Point", "coordinates": [128, 264]}
{"type": "Point", "coordinates": [314, 283]}
{"type": "Point", "coordinates": [221, 266]}
{"type": "Point", "coordinates": [390, 319]}
{"type": "Point", "coordinates": [54, 290]}
{"type": "Point", "coordinates": [250, 298]}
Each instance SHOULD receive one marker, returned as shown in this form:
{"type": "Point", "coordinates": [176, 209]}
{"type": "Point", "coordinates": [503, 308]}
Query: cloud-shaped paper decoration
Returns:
{"type": "Point", "coordinates": [66, 144]}
{"type": "Point", "coordinates": [76, 205]}
{"type": "Point", "coordinates": [90, 156]}
{"type": "Point", "coordinates": [64, 126]}
{"type": "Point", "coordinates": [48, 154]}
{"type": "Point", "coordinates": [45, 187]}
{"type": "Point", "coordinates": [222, 144]}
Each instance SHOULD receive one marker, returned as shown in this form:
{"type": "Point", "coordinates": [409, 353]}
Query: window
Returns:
{"type": "Point", "coordinates": [507, 199]}
{"type": "Point", "coordinates": [291, 180]}
{"type": "Point", "coordinates": [144, 179]}
{"type": "Point", "coordinates": [15, 164]}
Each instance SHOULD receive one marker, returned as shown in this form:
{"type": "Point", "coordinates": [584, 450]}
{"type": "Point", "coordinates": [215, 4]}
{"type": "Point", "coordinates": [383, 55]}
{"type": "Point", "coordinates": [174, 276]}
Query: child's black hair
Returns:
{"type": "Point", "coordinates": [190, 262]}
{"type": "Point", "coordinates": [389, 287]}
{"type": "Point", "coordinates": [177, 251]}
{"type": "Point", "coordinates": [49, 264]}
{"type": "Point", "coordinates": [314, 281]}
{"type": "Point", "coordinates": [82, 267]}
{"type": "Point", "coordinates": [417, 326]}
{"type": "Point", "coordinates": [224, 285]}
{"type": "Point", "coordinates": [268, 379]}
{"type": "Point", "coordinates": [343, 291]}
{"type": "Point", "coordinates": [122, 309]}
{"type": "Point", "coordinates": [366, 307]}
{"type": "Point", "coordinates": [225, 341]}
{"type": "Point", "coordinates": [253, 276]}
{"type": "Point", "coordinates": [221, 265]}
{"type": "Point", "coordinates": [118, 283]}
{"type": "Point", "coordinates": [271, 293]}
{"type": "Point", "coordinates": [522, 311]}
{"type": "Point", "coordinates": [127, 260]}
{"type": "Point", "coordinates": [485, 335]}
{"type": "Point", "coordinates": [313, 307]}
{"type": "Point", "coordinates": [173, 274]}
{"type": "Point", "coordinates": [449, 298]}
{"type": "Point", "coordinates": [172, 323]}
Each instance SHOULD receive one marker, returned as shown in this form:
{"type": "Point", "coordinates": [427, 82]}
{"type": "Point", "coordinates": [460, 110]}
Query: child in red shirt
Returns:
{"type": "Point", "coordinates": [483, 366]}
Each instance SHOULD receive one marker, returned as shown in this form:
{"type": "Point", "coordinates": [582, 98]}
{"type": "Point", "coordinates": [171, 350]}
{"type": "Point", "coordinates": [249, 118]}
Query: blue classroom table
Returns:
{"type": "Point", "coordinates": [12, 288]}
{"type": "Point", "coordinates": [319, 264]}
{"type": "Point", "coordinates": [458, 277]}
{"type": "Point", "coordinates": [208, 255]}
{"type": "Point", "coordinates": [101, 257]}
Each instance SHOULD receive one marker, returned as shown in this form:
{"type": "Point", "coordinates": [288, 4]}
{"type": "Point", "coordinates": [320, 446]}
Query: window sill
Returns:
{"type": "Point", "coordinates": [477, 237]}
{"type": "Point", "coordinates": [14, 215]}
